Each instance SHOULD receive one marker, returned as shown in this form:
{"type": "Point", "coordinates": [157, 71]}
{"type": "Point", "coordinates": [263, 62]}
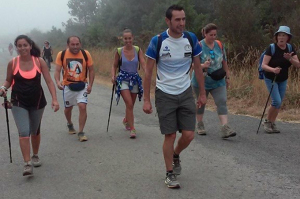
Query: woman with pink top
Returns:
{"type": "Point", "coordinates": [27, 97]}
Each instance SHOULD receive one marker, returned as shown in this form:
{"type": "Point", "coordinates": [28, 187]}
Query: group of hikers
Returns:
{"type": "Point", "coordinates": [175, 52]}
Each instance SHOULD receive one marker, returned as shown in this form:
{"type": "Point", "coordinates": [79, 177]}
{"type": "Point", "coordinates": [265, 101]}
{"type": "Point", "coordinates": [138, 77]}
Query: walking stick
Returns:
{"type": "Point", "coordinates": [7, 122]}
{"type": "Point", "coordinates": [266, 103]}
{"type": "Point", "coordinates": [112, 96]}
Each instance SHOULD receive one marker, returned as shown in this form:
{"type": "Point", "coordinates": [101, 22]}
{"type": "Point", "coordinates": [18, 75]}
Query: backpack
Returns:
{"type": "Point", "coordinates": [260, 70]}
{"type": "Point", "coordinates": [83, 53]}
{"type": "Point", "coordinates": [159, 42]}
{"type": "Point", "coordinates": [137, 49]}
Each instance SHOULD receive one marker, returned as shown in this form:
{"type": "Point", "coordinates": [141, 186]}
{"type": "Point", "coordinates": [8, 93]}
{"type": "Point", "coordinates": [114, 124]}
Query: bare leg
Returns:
{"type": "Point", "coordinates": [68, 114]}
{"type": "Point", "coordinates": [272, 113]}
{"type": "Point", "coordinates": [129, 99]}
{"type": "Point", "coordinates": [25, 148]}
{"type": "Point", "coordinates": [82, 116]}
{"type": "Point", "coordinates": [35, 142]}
{"type": "Point", "coordinates": [168, 150]}
{"type": "Point", "coordinates": [223, 119]}
{"type": "Point", "coordinates": [184, 141]}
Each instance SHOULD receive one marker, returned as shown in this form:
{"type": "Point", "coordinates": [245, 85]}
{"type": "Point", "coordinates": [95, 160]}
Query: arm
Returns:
{"type": "Point", "coordinates": [91, 78]}
{"type": "Point", "coordinates": [114, 68]}
{"type": "Point", "coordinates": [9, 78]}
{"type": "Point", "coordinates": [200, 79]}
{"type": "Point", "coordinates": [142, 60]}
{"type": "Point", "coordinates": [147, 107]}
{"type": "Point", "coordinates": [50, 84]}
{"type": "Point", "coordinates": [294, 61]}
{"type": "Point", "coordinates": [268, 68]}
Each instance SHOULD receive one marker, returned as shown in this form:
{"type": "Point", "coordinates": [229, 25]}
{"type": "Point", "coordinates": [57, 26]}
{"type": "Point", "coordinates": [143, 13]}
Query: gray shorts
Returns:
{"type": "Point", "coordinates": [28, 121]}
{"type": "Point", "coordinates": [175, 112]}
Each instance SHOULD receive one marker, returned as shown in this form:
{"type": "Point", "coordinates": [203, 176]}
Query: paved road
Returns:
{"type": "Point", "coordinates": [110, 165]}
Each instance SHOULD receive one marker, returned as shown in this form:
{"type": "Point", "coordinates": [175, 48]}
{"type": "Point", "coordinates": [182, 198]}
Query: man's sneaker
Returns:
{"type": "Point", "coordinates": [275, 129]}
{"type": "Point", "coordinates": [171, 181]}
{"type": "Point", "coordinates": [36, 162]}
{"type": "Point", "coordinates": [200, 128]}
{"type": "Point", "coordinates": [71, 129]}
{"type": "Point", "coordinates": [132, 134]}
{"type": "Point", "coordinates": [27, 169]}
{"type": "Point", "coordinates": [125, 123]}
{"type": "Point", "coordinates": [176, 166]}
{"type": "Point", "coordinates": [268, 126]}
{"type": "Point", "coordinates": [227, 132]}
{"type": "Point", "coordinates": [82, 137]}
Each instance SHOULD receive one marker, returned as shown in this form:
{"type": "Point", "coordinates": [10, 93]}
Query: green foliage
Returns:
{"type": "Point", "coordinates": [241, 24]}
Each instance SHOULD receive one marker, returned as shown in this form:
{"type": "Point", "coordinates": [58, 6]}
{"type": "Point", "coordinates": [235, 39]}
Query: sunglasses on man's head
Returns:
{"type": "Point", "coordinates": [212, 54]}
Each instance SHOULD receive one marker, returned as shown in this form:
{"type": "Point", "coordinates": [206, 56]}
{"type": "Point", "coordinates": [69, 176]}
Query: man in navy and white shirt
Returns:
{"type": "Point", "coordinates": [174, 51]}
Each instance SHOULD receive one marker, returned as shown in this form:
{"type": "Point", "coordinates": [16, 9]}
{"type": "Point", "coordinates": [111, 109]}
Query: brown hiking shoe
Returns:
{"type": "Point", "coordinates": [268, 126]}
{"type": "Point", "coordinates": [71, 129]}
{"type": "Point", "coordinates": [200, 128]}
{"type": "Point", "coordinates": [274, 127]}
{"type": "Point", "coordinates": [82, 137]}
{"type": "Point", "coordinates": [227, 132]}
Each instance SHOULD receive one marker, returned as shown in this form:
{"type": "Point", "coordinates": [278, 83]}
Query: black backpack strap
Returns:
{"type": "Point", "coordinates": [85, 58]}
{"type": "Point", "coordinates": [188, 36]}
{"type": "Point", "coordinates": [158, 46]}
{"type": "Point", "coordinates": [62, 56]}
{"type": "Point", "coordinates": [84, 55]}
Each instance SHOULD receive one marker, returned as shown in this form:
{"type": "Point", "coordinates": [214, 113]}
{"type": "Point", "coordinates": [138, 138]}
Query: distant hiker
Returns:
{"type": "Point", "coordinates": [27, 97]}
{"type": "Point", "coordinates": [174, 51]}
{"type": "Point", "coordinates": [47, 54]}
{"type": "Point", "coordinates": [77, 65]}
{"type": "Point", "coordinates": [276, 67]}
{"type": "Point", "coordinates": [217, 77]}
{"type": "Point", "coordinates": [128, 82]}
{"type": "Point", "coordinates": [10, 49]}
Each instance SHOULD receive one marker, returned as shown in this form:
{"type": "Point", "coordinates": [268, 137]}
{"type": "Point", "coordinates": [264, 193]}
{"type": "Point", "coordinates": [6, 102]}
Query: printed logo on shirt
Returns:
{"type": "Point", "coordinates": [165, 55]}
{"type": "Point", "coordinates": [166, 48]}
{"type": "Point", "coordinates": [74, 67]}
{"type": "Point", "coordinates": [188, 47]}
{"type": "Point", "coordinates": [188, 54]}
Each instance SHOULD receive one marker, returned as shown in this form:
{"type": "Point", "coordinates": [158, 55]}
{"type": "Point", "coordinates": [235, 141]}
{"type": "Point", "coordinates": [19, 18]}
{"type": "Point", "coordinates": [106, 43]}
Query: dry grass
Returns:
{"type": "Point", "coordinates": [247, 94]}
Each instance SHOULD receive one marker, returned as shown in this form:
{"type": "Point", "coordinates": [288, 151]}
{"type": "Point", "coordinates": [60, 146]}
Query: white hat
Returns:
{"type": "Point", "coordinates": [284, 29]}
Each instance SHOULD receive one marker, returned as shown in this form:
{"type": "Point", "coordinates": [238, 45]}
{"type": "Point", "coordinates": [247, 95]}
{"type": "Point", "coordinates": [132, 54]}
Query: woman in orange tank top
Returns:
{"type": "Point", "coordinates": [27, 97]}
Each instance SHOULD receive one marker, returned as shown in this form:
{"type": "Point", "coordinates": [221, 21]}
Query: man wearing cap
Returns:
{"type": "Point", "coordinates": [276, 62]}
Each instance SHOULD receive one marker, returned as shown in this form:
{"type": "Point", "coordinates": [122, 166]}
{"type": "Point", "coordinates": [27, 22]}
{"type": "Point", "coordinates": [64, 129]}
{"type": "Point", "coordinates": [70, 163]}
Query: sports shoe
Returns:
{"type": "Point", "coordinates": [274, 127]}
{"type": "Point", "coordinates": [125, 123]}
{"type": "Point", "coordinates": [227, 132]}
{"type": "Point", "coordinates": [176, 166]}
{"type": "Point", "coordinates": [200, 128]}
{"type": "Point", "coordinates": [171, 181]}
{"type": "Point", "coordinates": [36, 162]}
{"type": "Point", "coordinates": [27, 169]}
{"type": "Point", "coordinates": [71, 129]}
{"type": "Point", "coordinates": [132, 134]}
{"type": "Point", "coordinates": [82, 137]}
{"type": "Point", "coordinates": [268, 126]}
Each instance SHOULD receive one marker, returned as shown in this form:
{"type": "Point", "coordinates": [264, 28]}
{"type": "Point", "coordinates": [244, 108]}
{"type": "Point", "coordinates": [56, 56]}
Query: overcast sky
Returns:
{"type": "Point", "coordinates": [21, 16]}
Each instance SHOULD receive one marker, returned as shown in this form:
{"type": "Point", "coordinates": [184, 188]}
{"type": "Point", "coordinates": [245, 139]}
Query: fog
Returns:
{"type": "Point", "coordinates": [21, 16]}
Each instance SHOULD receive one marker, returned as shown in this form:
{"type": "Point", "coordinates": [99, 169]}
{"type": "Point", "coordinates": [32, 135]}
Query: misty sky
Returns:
{"type": "Point", "coordinates": [21, 16]}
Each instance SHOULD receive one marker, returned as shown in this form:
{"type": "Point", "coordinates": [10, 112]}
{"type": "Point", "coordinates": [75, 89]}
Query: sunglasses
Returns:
{"type": "Point", "coordinates": [212, 54]}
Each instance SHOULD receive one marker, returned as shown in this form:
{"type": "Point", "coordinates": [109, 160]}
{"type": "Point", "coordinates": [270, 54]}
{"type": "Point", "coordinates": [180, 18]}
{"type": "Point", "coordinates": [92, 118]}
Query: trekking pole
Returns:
{"type": "Point", "coordinates": [112, 96]}
{"type": "Point", "coordinates": [266, 103]}
{"type": "Point", "coordinates": [7, 122]}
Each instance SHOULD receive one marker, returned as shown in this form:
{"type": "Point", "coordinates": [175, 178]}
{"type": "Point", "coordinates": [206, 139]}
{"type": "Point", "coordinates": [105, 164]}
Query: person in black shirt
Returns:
{"type": "Point", "coordinates": [47, 54]}
{"type": "Point", "coordinates": [275, 66]}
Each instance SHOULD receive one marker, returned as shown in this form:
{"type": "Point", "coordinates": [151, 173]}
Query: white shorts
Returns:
{"type": "Point", "coordinates": [72, 98]}
{"type": "Point", "coordinates": [125, 86]}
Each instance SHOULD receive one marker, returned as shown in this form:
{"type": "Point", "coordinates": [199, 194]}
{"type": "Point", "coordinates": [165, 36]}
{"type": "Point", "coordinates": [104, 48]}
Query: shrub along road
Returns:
{"type": "Point", "coordinates": [110, 165]}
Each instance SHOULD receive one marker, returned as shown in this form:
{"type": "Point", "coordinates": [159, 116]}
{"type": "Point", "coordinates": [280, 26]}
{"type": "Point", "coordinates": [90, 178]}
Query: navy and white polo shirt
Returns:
{"type": "Point", "coordinates": [175, 58]}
